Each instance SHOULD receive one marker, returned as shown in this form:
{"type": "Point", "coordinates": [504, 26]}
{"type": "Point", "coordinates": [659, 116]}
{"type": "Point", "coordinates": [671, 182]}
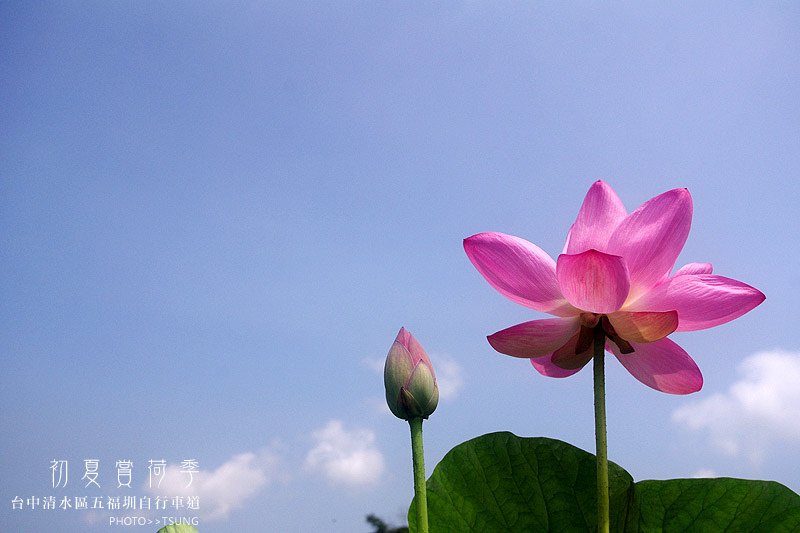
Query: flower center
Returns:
{"type": "Point", "coordinates": [591, 321]}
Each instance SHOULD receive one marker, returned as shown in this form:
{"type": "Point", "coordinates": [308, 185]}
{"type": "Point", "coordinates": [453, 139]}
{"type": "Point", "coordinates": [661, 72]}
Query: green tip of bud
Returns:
{"type": "Point", "coordinates": [177, 528]}
{"type": "Point", "coordinates": [423, 387]}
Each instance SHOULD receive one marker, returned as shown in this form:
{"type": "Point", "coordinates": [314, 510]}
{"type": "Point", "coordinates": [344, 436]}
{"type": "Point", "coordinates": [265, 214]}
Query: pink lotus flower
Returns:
{"type": "Point", "coordinates": [614, 272]}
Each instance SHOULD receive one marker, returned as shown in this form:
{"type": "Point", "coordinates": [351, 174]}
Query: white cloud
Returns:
{"type": "Point", "coordinates": [345, 457]}
{"type": "Point", "coordinates": [378, 405]}
{"type": "Point", "coordinates": [374, 363]}
{"type": "Point", "coordinates": [704, 473]}
{"type": "Point", "coordinates": [761, 408]}
{"type": "Point", "coordinates": [225, 488]}
{"type": "Point", "coordinates": [449, 376]}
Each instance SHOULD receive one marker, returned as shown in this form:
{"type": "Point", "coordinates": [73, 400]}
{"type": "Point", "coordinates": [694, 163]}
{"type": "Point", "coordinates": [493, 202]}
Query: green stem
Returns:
{"type": "Point", "coordinates": [603, 520]}
{"type": "Point", "coordinates": [418, 458]}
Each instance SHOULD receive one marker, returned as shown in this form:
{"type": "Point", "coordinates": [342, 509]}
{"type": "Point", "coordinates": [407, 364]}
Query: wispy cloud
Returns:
{"type": "Point", "coordinates": [757, 411]}
{"type": "Point", "coordinates": [449, 376]}
{"type": "Point", "coordinates": [705, 472]}
{"type": "Point", "coordinates": [345, 457]}
{"type": "Point", "coordinates": [225, 488]}
{"type": "Point", "coordinates": [375, 364]}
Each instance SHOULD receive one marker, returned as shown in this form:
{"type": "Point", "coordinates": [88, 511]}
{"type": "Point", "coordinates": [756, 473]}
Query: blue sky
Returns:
{"type": "Point", "coordinates": [214, 218]}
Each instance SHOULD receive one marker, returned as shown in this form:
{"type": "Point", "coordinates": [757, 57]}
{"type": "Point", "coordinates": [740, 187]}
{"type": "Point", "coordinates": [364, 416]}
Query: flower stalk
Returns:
{"type": "Point", "coordinates": [601, 443]}
{"type": "Point", "coordinates": [418, 459]}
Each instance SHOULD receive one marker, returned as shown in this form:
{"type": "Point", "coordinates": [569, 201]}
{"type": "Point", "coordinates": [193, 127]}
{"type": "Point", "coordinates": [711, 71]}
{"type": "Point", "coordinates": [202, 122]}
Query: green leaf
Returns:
{"type": "Point", "coordinates": [501, 482]}
{"type": "Point", "coordinates": [722, 504]}
{"type": "Point", "coordinates": [177, 528]}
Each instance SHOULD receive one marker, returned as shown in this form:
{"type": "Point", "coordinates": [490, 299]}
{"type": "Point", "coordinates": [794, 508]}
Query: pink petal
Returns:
{"type": "Point", "coordinates": [593, 281]}
{"type": "Point", "coordinates": [536, 338]}
{"type": "Point", "coordinates": [651, 238]}
{"type": "Point", "coordinates": [646, 326]}
{"type": "Point", "coordinates": [519, 270]}
{"type": "Point", "coordinates": [662, 365]}
{"type": "Point", "coordinates": [545, 367]}
{"type": "Point", "coordinates": [414, 348]}
{"type": "Point", "coordinates": [701, 300]}
{"type": "Point", "coordinates": [565, 357]}
{"type": "Point", "coordinates": [695, 268]}
{"type": "Point", "coordinates": [600, 214]}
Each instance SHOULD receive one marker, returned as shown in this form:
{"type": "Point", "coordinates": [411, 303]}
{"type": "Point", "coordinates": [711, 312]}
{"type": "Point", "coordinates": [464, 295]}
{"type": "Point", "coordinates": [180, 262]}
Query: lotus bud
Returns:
{"type": "Point", "coordinates": [411, 389]}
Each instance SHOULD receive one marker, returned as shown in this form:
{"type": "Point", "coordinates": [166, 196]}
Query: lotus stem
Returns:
{"type": "Point", "coordinates": [601, 443]}
{"type": "Point", "coordinates": [418, 458]}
